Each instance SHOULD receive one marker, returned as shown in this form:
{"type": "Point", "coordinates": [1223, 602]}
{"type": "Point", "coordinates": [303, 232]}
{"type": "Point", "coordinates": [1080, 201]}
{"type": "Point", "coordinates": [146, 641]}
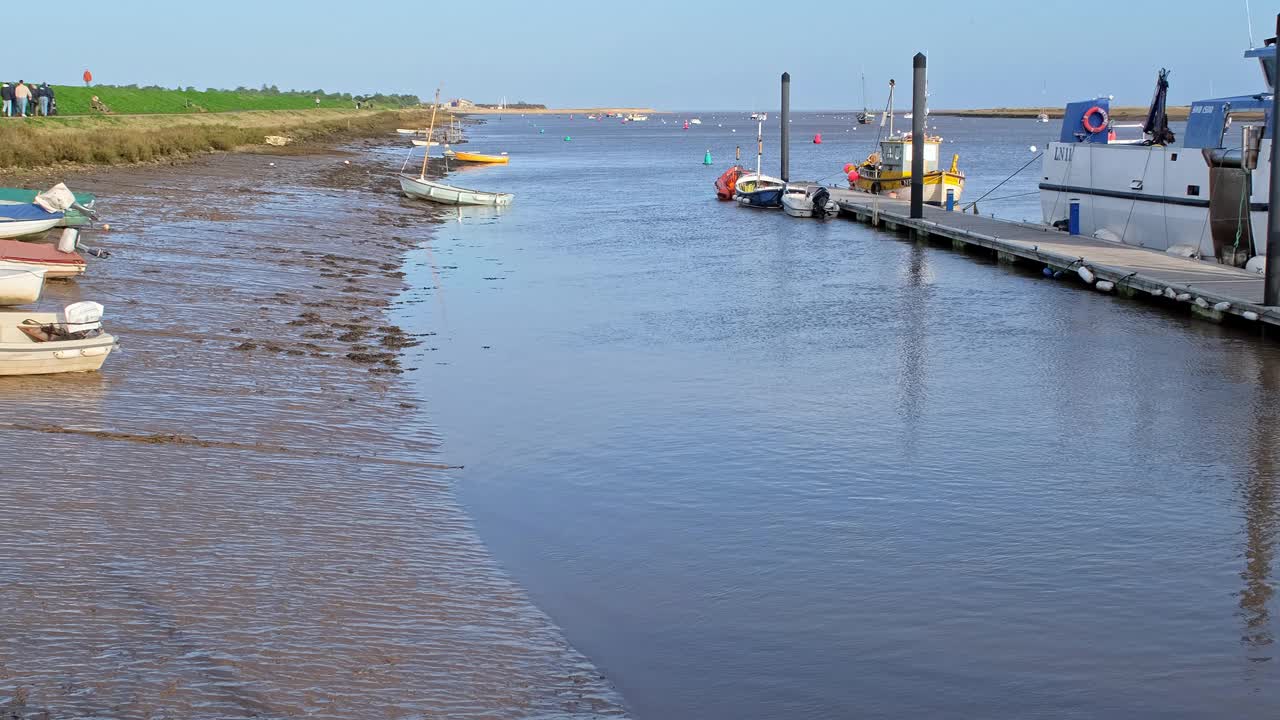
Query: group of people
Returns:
{"type": "Point", "coordinates": [18, 99]}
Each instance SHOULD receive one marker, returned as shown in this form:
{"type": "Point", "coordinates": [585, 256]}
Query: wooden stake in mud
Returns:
{"type": "Point", "coordinates": [426, 152]}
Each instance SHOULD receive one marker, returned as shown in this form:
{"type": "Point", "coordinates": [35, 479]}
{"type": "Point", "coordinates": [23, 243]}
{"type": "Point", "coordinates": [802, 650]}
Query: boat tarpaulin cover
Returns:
{"type": "Point", "coordinates": [25, 212]}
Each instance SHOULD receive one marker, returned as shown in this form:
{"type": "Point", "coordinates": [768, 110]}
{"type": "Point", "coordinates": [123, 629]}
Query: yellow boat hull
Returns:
{"type": "Point", "coordinates": [479, 158]}
{"type": "Point", "coordinates": [936, 184]}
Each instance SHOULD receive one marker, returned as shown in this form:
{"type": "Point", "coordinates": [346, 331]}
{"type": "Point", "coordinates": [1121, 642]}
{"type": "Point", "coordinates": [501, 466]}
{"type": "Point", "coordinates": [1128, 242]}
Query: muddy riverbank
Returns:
{"type": "Point", "coordinates": [246, 514]}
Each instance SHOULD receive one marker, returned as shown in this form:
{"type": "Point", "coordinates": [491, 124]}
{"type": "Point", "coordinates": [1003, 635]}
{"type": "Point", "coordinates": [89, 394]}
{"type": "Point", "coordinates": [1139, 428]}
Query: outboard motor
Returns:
{"type": "Point", "coordinates": [820, 199]}
{"type": "Point", "coordinates": [1230, 187]}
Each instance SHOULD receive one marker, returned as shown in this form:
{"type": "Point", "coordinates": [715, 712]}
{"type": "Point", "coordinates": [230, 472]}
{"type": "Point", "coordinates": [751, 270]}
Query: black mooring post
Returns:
{"type": "Point", "coordinates": [1271, 286]}
{"type": "Point", "coordinates": [917, 136]}
{"type": "Point", "coordinates": [786, 128]}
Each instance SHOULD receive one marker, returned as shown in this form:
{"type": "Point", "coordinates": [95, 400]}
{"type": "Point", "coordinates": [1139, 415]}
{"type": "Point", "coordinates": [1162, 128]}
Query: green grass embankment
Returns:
{"type": "Point", "coordinates": [128, 100]}
{"type": "Point", "coordinates": [111, 140]}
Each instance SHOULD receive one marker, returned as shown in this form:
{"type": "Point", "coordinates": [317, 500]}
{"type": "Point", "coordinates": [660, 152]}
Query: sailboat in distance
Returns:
{"type": "Point", "coordinates": [865, 117]}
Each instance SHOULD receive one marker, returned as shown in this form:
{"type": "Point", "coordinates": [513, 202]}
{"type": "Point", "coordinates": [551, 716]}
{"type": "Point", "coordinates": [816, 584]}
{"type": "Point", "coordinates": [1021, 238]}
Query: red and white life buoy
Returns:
{"type": "Point", "coordinates": [1095, 112]}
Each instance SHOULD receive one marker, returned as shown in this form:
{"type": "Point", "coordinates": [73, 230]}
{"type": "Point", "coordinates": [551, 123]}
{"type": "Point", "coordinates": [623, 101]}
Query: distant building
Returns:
{"type": "Point", "coordinates": [461, 103]}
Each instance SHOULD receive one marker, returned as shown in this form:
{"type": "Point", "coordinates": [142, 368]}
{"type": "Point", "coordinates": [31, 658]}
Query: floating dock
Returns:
{"type": "Point", "coordinates": [1202, 287]}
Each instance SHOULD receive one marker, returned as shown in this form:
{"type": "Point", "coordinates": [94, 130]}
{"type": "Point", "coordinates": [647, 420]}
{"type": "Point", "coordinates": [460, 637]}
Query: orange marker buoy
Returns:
{"type": "Point", "coordinates": [848, 168]}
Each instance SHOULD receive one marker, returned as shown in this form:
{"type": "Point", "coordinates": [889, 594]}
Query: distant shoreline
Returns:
{"type": "Point", "coordinates": [1118, 112]}
{"type": "Point", "coordinates": [554, 111]}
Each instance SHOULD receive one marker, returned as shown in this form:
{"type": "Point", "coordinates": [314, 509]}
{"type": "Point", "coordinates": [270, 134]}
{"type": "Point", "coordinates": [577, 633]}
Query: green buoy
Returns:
{"type": "Point", "coordinates": [567, 138]}
{"type": "Point", "coordinates": [706, 159]}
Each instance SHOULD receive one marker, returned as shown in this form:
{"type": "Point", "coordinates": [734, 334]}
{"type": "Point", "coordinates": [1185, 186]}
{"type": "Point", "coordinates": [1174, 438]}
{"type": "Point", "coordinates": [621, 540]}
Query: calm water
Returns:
{"type": "Point", "coordinates": [759, 467]}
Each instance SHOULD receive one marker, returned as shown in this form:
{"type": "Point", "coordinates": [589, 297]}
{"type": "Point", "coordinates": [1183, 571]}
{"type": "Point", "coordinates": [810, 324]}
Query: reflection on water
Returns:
{"type": "Point", "coordinates": [759, 467]}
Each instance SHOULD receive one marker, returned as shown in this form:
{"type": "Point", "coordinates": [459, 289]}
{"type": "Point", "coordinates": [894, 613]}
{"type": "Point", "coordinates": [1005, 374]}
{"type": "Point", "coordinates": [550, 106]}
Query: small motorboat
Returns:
{"type": "Point", "coordinates": [29, 219]}
{"type": "Point", "coordinates": [39, 256]}
{"type": "Point", "coordinates": [474, 157]}
{"type": "Point", "coordinates": [40, 343]}
{"type": "Point", "coordinates": [425, 143]}
{"type": "Point", "coordinates": [1042, 118]}
{"type": "Point", "coordinates": [726, 182]}
{"type": "Point", "coordinates": [424, 189]}
{"type": "Point", "coordinates": [407, 131]}
{"type": "Point", "coordinates": [759, 191]}
{"type": "Point", "coordinates": [804, 201]}
{"type": "Point", "coordinates": [20, 285]}
{"type": "Point", "coordinates": [695, 121]}
{"type": "Point", "coordinates": [78, 214]}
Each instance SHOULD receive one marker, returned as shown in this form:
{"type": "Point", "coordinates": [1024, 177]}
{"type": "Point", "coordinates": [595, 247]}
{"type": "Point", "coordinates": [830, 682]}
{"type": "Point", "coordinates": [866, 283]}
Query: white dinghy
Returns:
{"type": "Point", "coordinates": [804, 201]}
{"type": "Point", "coordinates": [42, 343]}
{"type": "Point", "coordinates": [423, 189]}
{"type": "Point", "coordinates": [19, 284]}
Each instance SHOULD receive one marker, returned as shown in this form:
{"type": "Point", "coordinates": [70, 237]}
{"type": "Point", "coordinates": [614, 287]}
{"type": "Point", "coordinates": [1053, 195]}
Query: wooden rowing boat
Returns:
{"type": "Point", "coordinates": [474, 157]}
{"type": "Point", "coordinates": [423, 189]}
{"type": "Point", "coordinates": [29, 255]}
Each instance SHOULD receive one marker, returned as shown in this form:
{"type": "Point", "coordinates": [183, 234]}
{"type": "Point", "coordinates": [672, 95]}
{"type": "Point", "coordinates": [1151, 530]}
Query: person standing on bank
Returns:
{"type": "Point", "coordinates": [6, 94]}
{"type": "Point", "coordinates": [43, 93]}
{"type": "Point", "coordinates": [21, 94]}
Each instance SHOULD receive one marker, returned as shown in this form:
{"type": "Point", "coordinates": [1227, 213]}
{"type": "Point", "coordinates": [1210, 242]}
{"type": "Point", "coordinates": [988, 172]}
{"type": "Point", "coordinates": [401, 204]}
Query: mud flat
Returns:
{"type": "Point", "coordinates": [245, 514]}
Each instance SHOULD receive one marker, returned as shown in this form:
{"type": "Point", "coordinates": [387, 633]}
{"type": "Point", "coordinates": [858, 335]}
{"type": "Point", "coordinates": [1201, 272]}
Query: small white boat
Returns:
{"type": "Point", "coordinates": [424, 189]}
{"type": "Point", "coordinates": [20, 285]}
{"type": "Point", "coordinates": [808, 201]}
{"type": "Point", "coordinates": [424, 143]}
{"type": "Point", "coordinates": [27, 219]}
{"type": "Point", "coordinates": [1042, 118]}
{"type": "Point", "coordinates": [637, 118]}
{"type": "Point", "coordinates": [695, 121]}
{"type": "Point", "coordinates": [407, 131]}
{"type": "Point", "coordinates": [40, 343]}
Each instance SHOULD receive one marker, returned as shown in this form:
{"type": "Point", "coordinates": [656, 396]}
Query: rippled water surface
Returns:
{"type": "Point", "coordinates": [759, 467]}
{"type": "Point", "coordinates": [244, 514]}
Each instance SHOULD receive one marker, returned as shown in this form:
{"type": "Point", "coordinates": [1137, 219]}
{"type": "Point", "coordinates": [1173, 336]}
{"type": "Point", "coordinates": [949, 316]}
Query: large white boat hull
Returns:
{"type": "Point", "coordinates": [1149, 196]}
{"type": "Point", "coordinates": [22, 228]}
{"type": "Point", "coordinates": [450, 195]}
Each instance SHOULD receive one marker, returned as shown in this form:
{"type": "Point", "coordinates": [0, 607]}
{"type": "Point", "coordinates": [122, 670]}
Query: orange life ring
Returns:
{"type": "Point", "coordinates": [1103, 119]}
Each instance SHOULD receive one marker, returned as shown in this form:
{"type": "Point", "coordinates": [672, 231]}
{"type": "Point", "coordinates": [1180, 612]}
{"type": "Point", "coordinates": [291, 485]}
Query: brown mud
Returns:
{"type": "Point", "coordinates": [246, 514]}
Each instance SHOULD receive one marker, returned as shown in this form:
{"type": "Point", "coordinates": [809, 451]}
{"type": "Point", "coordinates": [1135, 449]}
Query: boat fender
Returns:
{"type": "Point", "coordinates": [1249, 315]}
{"type": "Point", "coordinates": [1086, 274]}
{"type": "Point", "coordinates": [93, 351]}
{"type": "Point", "coordinates": [875, 188]}
{"type": "Point", "coordinates": [1201, 302]}
{"type": "Point", "coordinates": [1183, 297]}
{"type": "Point", "coordinates": [1222, 306]}
{"type": "Point", "coordinates": [1169, 293]}
{"type": "Point", "coordinates": [1095, 113]}
{"type": "Point", "coordinates": [1157, 292]}
{"type": "Point", "coordinates": [1048, 272]}
{"type": "Point", "coordinates": [64, 354]}
{"type": "Point", "coordinates": [1104, 286]}
{"type": "Point", "coordinates": [1257, 264]}
{"type": "Point", "coordinates": [68, 240]}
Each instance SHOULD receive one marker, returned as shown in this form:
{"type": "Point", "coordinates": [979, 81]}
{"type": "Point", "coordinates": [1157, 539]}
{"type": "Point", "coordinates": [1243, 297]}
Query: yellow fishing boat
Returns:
{"type": "Point", "coordinates": [890, 170]}
{"type": "Point", "coordinates": [480, 157]}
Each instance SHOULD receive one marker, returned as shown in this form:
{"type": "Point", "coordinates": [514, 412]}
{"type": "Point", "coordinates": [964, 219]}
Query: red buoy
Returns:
{"type": "Point", "coordinates": [817, 139]}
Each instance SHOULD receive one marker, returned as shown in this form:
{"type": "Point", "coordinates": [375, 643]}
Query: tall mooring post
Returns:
{"type": "Point", "coordinates": [1271, 286]}
{"type": "Point", "coordinates": [786, 128]}
{"type": "Point", "coordinates": [917, 135]}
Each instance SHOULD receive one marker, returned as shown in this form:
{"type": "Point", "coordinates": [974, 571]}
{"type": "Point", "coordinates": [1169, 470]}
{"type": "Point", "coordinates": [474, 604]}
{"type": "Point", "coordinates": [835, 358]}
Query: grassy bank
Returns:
{"type": "Point", "coordinates": [111, 140]}
{"type": "Point", "coordinates": [125, 100]}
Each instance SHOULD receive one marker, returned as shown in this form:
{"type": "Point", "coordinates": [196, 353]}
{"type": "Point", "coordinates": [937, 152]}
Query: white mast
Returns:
{"type": "Point", "coordinates": [759, 148]}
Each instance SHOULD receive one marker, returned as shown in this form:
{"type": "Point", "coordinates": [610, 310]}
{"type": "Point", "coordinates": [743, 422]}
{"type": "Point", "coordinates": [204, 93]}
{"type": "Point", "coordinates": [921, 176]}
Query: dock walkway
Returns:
{"type": "Point", "coordinates": [1133, 270]}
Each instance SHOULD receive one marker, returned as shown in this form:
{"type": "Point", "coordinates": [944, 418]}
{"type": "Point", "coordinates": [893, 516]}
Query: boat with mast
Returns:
{"type": "Point", "coordinates": [865, 117]}
{"type": "Point", "coordinates": [889, 169]}
{"type": "Point", "coordinates": [421, 188]}
{"type": "Point", "coordinates": [756, 189]}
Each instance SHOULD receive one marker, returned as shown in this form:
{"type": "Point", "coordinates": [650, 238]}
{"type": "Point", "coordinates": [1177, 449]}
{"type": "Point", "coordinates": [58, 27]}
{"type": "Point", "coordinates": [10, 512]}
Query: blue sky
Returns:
{"type": "Point", "coordinates": [668, 55]}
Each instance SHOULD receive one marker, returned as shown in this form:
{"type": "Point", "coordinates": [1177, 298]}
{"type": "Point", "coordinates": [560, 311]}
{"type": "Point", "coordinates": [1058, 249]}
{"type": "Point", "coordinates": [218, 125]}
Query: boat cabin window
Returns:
{"type": "Point", "coordinates": [1193, 189]}
{"type": "Point", "coordinates": [1173, 157]}
{"type": "Point", "coordinates": [893, 153]}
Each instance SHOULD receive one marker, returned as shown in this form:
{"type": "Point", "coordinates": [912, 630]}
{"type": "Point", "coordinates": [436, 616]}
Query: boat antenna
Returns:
{"type": "Point", "coordinates": [1248, 18]}
{"type": "Point", "coordinates": [431, 131]}
{"type": "Point", "coordinates": [759, 147]}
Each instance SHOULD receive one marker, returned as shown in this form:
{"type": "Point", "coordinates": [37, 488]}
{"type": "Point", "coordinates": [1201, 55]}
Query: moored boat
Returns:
{"type": "Point", "coordinates": [41, 343]}
{"type": "Point", "coordinates": [757, 189]}
{"type": "Point", "coordinates": [474, 157]}
{"type": "Point", "coordinates": [29, 219]}
{"type": "Point", "coordinates": [1206, 194]}
{"type": "Point", "coordinates": [48, 258]}
{"type": "Point", "coordinates": [889, 169]}
{"type": "Point", "coordinates": [423, 189]}
{"type": "Point", "coordinates": [425, 143]}
{"type": "Point", "coordinates": [20, 285]}
{"type": "Point", "coordinates": [804, 201]}
{"type": "Point", "coordinates": [727, 181]}
{"type": "Point", "coordinates": [72, 216]}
